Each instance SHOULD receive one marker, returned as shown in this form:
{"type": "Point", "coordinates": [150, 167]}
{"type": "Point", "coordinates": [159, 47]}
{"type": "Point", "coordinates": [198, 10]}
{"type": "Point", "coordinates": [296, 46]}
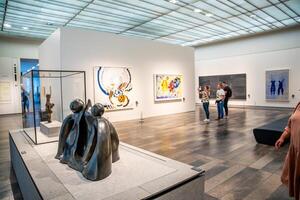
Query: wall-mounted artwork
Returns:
{"type": "Point", "coordinates": [113, 87]}
{"type": "Point", "coordinates": [277, 85]}
{"type": "Point", "coordinates": [237, 82]}
{"type": "Point", "coordinates": [168, 87]}
{"type": "Point", "coordinates": [5, 92]}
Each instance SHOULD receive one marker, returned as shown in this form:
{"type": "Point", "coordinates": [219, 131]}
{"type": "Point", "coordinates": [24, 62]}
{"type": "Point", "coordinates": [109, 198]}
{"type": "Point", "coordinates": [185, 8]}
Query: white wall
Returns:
{"type": "Point", "coordinates": [11, 50]}
{"type": "Point", "coordinates": [19, 48]}
{"type": "Point", "coordinates": [49, 52]}
{"type": "Point", "coordinates": [82, 50]}
{"type": "Point", "coordinates": [254, 56]}
{"type": "Point", "coordinates": [11, 101]}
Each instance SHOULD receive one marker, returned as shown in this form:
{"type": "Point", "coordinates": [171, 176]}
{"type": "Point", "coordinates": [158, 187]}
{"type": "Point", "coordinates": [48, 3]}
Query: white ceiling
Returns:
{"type": "Point", "coordinates": [184, 22]}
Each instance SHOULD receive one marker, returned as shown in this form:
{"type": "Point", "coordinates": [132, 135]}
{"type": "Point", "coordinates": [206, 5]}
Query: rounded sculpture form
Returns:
{"type": "Point", "coordinates": [88, 142]}
{"type": "Point", "coordinates": [97, 110]}
{"type": "Point", "coordinates": [76, 105]}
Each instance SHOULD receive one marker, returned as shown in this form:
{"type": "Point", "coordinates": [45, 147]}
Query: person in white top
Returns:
{"type": "Point", "coordinates": [205, 94]}
{"type": "Point", "coordinates": [220, 101]}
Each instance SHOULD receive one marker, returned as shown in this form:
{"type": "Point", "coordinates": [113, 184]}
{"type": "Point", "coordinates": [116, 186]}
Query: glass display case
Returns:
{"type": "Point", "coordinates": [46, 95]}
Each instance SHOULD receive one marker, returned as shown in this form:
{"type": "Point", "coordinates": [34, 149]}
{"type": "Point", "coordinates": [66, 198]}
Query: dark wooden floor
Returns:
{"type": "Point", "coordinates": [236, 167]}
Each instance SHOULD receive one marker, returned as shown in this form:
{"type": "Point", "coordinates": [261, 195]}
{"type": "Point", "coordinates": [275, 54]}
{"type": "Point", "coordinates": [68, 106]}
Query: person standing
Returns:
{"type": "Point", "coordinates": [220, 96]}
{"type": "Point", "coordinates": [291, 169]}
{"type": "Point", "coordinates": [228, 94]}
{"type": "Point", "coordinates": [205, 94]}
{"type": "Point", "coordinates": [24, 100]}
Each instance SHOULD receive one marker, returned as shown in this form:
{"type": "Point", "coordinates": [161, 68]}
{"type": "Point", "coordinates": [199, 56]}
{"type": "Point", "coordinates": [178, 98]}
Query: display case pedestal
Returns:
{"type": "Point", "coordinates": [50, 128]}
{"type": "Point", "coordinates": [139, 174]}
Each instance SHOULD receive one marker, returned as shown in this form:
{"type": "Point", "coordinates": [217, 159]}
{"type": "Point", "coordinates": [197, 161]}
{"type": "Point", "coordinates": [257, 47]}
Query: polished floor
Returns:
{"type": "Point", "coordinates": [236, 167]}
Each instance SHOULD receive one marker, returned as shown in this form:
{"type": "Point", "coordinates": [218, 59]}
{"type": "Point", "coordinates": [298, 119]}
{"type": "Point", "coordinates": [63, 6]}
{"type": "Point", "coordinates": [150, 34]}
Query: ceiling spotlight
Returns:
{"type": "Point", "coordinates": [209, 15]}
{"type": "Point", "coordinates": [25, 28]}
{"type": "Point", "coordinates": [197, 10]}
{"type": "Point", "coordinates": [252, 16]}
{"type": "Point", "coordinates": [49, 23]}
{"type": "Point", "coordinates": [7, 25]}
{"type": "Point", "coordinates": [173, 1]}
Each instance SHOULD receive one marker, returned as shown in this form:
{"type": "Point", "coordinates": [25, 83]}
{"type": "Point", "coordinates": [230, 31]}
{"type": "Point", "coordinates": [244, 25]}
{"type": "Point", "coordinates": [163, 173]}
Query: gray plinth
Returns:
{"type": "Point", "coordinates": [50, 128]}
{"type": "Point", "coordinates": [139, 174]}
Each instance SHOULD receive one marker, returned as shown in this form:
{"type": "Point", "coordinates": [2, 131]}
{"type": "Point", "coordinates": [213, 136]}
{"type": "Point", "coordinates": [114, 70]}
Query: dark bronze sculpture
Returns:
{"type": "Point", "coordinates": [49, 107]}
{"type": "Point", "coordinates": [88, 142]}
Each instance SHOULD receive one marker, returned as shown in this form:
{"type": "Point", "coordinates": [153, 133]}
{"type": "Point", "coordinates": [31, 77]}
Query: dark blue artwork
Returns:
{"type": "Point", "coordinates": [277, 85]}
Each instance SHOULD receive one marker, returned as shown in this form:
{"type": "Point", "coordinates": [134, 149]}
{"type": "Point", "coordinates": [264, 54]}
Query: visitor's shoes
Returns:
{"type": "Point", "coordinates": [226, 117]}
{"type": "Point", "coordinates": [206, 120]}
{"type": "Point", "coordinates": [218, 119]}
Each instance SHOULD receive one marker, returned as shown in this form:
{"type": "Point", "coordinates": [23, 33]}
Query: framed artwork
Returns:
{"type": "Point", "coordinates": [237, 83]}
{"type": "Point", "coordinates": [168, 87]}
{"type": "Point", "coordinates": [277, 85]}
{"type": "Point", "coordinates": [113, 87]}
{"type": "Point", "coordinates": [5, 92]}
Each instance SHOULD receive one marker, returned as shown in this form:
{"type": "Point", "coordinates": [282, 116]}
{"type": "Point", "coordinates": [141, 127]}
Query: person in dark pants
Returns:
{"type": "Point", "coordinates": [25, 101]}
{"type": "Point", "coordinates": [220, 96]}
{"type": "Point", "coordinates": [228, 94]}
{"type": "Point", "coordinates": [205, 94]}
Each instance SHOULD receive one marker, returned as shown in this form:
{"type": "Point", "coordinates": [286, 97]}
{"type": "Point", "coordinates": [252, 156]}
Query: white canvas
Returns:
{"type": "Point", "coordinates": [113, 87]}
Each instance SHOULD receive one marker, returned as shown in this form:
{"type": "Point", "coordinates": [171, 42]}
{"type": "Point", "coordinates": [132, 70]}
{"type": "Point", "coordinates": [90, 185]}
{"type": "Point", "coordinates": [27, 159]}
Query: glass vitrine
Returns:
{"type": "Point", "coordinates": [46, 95]}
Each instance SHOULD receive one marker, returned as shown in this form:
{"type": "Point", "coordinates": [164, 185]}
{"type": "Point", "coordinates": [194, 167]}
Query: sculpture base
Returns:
{"type": "Point", "coordinates": [50, 128]}
{"type": "Point", "coordinates": [138, 174]}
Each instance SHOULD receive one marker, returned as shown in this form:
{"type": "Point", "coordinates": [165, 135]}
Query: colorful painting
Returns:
{"type": "Point", "coordinates": [277, 85]}
{"type": "Point", "coordinates": [113, 87]}
{"type": "Point", "coordinates": [168, 87]}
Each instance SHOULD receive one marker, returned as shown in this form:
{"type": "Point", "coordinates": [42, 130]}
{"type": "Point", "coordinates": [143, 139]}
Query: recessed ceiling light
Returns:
{"type": "Point", "coordinates": [252, 16]}
{"type": "Point", "coordinates": [173, 1]}
{"type": "Point", "coordinates": [197, 10]}
{"type": "Point", "coordinates": [209, 15]}
{"type": "Point", "coordinates": [25, 28]}
{"type": "Point", "coordinates": [7, 25]}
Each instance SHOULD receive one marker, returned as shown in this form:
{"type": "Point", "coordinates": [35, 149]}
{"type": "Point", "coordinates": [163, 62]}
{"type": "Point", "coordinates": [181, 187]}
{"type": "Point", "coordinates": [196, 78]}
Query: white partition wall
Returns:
{"type": "Point", "coordinates": [253, 56]}
{"type": "Point", "coordinates": [11, 51]}
{"type": "Point", "coordinates": [78, 49]}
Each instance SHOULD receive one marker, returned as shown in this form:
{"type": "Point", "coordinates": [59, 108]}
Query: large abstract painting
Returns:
{"type": "Point", "coordinates": [277, 85]}
{"type": "Point", "coordinates": [113, 87]}
{"type": "Point", "coordinates": [168, 87]}
{"type": "Point", "coordinates": [237, 82]}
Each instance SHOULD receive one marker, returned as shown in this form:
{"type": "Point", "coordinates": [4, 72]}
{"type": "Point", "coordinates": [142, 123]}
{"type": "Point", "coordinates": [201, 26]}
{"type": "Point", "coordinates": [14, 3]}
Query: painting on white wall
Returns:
{"type": "Point", "coordinates": [277, 85]}
{"type": "Point", "coordinates": [113, 87]}
{"type": "Point", "coordinates": [168, 87]}
{"type": "Point", "coordinates": [5, 92]}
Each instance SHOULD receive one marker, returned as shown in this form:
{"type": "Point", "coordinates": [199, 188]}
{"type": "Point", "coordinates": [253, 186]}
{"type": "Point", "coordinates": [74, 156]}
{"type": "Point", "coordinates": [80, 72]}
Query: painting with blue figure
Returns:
{"type": "Point", "coordinates": [277, 85]}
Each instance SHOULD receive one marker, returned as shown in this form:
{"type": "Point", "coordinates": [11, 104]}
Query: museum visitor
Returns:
{"type": "Point", "coordinates": [205, 94]}
{"type": "Point", "coordinates": [291, 169]}
{"type": "Point", "coordinates": [220, 101]}
{"type": "Point", "coordinates": [228, 94]}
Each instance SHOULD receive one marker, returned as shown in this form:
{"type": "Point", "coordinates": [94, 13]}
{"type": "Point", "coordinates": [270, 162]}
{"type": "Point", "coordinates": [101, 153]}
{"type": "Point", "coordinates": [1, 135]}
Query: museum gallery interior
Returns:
{"type": "Point", "coordinates": [143, 99]}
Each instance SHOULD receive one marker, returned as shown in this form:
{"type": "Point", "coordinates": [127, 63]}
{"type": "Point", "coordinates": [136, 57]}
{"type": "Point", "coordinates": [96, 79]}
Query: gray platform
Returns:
{"type": "Point", "coordinates": [139, 174]}
{"type": "Point", "coordinates": [50, 128]}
